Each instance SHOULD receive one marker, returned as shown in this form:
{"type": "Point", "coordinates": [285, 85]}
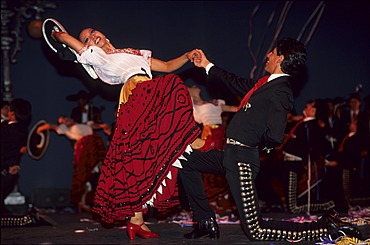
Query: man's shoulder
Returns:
{"type": "Point", "coordinates": [276, 77]}
{"type": "Point", "coordinates": [281, 82]}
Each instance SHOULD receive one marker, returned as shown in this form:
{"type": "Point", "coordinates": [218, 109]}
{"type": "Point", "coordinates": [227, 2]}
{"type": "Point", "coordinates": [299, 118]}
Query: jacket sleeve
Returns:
{"type": "Point", "coordinates": [13, 139]}
{"type": "Point", "coordinates": [237, 85]}
{"type": "Point", "coordinates": [281, 103]}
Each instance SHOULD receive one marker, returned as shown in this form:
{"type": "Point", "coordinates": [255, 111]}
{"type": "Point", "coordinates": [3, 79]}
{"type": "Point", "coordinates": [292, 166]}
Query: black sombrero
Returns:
{"type": "Point", "coordinates": [37, 143]}
{"type": "Point", "coordinates": [64, 52]}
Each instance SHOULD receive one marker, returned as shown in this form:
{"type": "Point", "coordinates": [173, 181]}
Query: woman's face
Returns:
{"type": "Point", "coordinates": [92, 37]}
{"type": "Point", "coordinates": [194, 91]}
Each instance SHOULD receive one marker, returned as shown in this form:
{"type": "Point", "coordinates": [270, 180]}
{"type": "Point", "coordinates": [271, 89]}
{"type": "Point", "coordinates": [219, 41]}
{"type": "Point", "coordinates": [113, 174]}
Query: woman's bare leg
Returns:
{"type": "Point", "coordinates": [197, 143]}
{"type": "Point", "coordinates": [138, 219]}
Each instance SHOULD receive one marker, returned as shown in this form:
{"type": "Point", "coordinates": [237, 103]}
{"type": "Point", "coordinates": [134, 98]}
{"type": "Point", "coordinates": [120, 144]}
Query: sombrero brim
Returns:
{"type": "Point", "coordinates": [37, 144]}
{"type": "Point", "coordinates": [64, 52]}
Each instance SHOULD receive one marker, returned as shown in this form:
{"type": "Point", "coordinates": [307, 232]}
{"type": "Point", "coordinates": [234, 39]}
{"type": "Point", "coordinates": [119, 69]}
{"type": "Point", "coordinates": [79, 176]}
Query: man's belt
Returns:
{"type": "Point", "coordinates": [235, 142]}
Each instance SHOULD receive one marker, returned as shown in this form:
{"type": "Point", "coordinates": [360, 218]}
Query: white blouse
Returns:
{"type": "Point", "coordinates": [208, 113]}
{"type": "Point", "coordinates": [119, 65]}
{"type": "Point", "coordinates": [75, 132]}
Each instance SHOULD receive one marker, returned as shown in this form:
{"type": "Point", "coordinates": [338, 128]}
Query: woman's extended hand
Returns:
{"type": "Point", "coordinates": [192, 55]}
{"type": "Point", "coordinates": [56, 35]}
{"type": "Point", "coordinates": [200, 59]}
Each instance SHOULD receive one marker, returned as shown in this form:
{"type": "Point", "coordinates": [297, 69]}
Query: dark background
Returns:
{"type": "Point", "coordinates": [338, 57]}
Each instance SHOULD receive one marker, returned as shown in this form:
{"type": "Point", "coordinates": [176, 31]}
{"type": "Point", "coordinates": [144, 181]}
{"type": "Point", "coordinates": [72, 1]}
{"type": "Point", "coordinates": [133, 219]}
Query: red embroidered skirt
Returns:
{"type": "Point", "coordinates": [89, 151]}
{"type": "Point", "coordinates": [152, 131]}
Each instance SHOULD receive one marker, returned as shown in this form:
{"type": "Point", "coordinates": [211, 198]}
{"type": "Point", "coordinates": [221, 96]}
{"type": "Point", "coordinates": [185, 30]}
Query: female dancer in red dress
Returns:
{"type": "Point", "coordinates": [155, 126]}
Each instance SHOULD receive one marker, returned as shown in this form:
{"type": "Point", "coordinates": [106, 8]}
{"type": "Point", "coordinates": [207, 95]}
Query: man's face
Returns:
{"type": "Point", "coordinates": [82, 101]}
{"type": "Point", "coordinates": [273, 62]}
{"type": "Point", "coordinates": [310, 110]}
{"type": "Point", "coordinates": [66, 121]}
{"type": "Point", "coordinates": [5, 110]}
{"type": "Point", "coordinates": [354, 104]}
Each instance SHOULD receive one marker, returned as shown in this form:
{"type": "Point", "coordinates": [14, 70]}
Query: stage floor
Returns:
{"type": "Point", "coordinates": [72, 228]}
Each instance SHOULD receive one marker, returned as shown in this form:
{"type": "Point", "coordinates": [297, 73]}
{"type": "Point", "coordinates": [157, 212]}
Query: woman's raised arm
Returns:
{"type": "Point", "coordinates": [68, 40]}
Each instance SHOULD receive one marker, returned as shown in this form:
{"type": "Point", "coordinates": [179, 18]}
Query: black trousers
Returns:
{"type": "Point", "coordinates": [240, 165]}
{"type": "Point", "coordinates": [8, 183]}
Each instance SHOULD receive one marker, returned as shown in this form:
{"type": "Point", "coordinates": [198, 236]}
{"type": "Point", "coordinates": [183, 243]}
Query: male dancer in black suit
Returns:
{"type": "Point", "coordinates": [259, 123]}
{"type": "Point", "coordinates": [14, 132]}
{"type": "Point", "coordinates": [85, 111]}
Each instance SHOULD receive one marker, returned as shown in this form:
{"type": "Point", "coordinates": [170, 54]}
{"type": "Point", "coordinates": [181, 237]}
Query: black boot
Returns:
{"type": "Point", "coordinates": [30, 219]}
{"type": "Point", "coordinates": [333, 213]}
{"type": "Point", "coordinates": [205, 228]}
{"type": "Point", "coordinates": [337, 227]}
{"type": "Point", "coordinates": [39, 219]}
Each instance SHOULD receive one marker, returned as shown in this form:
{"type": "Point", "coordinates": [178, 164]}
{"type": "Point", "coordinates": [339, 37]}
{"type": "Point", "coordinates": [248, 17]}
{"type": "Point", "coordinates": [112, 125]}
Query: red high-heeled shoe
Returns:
{"type": "Point", "coordinates": [133, 230]}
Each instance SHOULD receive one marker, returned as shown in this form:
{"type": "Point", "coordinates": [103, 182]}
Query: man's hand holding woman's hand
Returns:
{"type": "Point", "coordinates": [198, 57]}
{"type": "Point", "coordinates": [191, 55]}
